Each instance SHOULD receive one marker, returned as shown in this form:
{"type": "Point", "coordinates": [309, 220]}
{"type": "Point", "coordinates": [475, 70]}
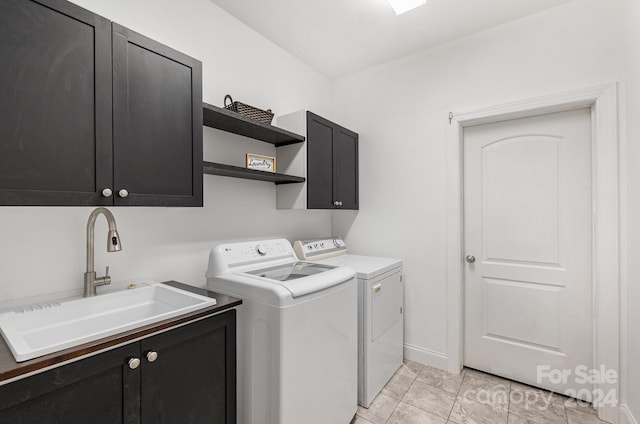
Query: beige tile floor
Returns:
{"type": "Point", "coordinates": [423, 395]}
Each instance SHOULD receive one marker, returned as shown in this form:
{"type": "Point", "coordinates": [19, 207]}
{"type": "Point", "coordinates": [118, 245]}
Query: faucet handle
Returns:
{"type": "Point", "coordinates": [103, 281]}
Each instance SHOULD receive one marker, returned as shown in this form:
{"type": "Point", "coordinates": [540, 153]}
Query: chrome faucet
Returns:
{"type": "Point", "coordinates": [113, 245]}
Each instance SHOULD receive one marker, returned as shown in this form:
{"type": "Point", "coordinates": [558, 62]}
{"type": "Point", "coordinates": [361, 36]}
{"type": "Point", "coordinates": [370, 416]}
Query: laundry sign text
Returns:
{"type": "Point", "coordinates": [261, 163]}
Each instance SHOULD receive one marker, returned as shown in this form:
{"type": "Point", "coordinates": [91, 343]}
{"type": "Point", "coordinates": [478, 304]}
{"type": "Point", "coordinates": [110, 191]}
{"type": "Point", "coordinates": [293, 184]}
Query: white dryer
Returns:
{"type": "Point", "coordinates": [297, 333]}
{"type": "Point", "coordinates": [380, 310]}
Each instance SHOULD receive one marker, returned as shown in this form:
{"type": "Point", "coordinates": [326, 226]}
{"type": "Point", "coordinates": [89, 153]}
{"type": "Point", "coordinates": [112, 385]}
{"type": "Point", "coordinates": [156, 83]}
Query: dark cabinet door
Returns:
{"type": "Point", "coordinates": [193, 378]}
{"type": "Point", "coordinates": [332, 165]}
{"type": "Point", "coordinates": [157, 123]}
{"type": "Point", "coordinates": [320, 133]}
{"type": "Point", "coordinates": [345, 168]}
{"type": "Point", "coordinates": [101, 389]}
{"type": "Point", "coordinates": [55, 106]}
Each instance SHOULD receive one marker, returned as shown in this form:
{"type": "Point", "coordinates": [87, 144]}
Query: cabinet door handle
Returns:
{"type": "Point", "coordinates": [377, 288]}
{"type": "Point", "coordinates": [152, 356]}
{"type": "Point", "coordinates": [123, 192]}
{"type": "Point", "coordinates": [134, 363]}
{"type": "Point", "coordinates": [107, 192]}
{"type": "Point", "coordinates": [337, 203]}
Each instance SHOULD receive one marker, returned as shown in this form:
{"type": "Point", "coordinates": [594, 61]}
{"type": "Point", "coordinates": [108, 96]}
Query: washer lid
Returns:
{"type": "Point", "coordinates": [302, 278]}
{"type": "Point", "coordinates": [291, 271]}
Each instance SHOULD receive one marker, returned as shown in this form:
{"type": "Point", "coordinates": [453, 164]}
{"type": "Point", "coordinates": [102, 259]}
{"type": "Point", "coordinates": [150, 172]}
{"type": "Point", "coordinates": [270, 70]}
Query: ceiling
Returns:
{"type": "Point", "coordinates": [339, 37]}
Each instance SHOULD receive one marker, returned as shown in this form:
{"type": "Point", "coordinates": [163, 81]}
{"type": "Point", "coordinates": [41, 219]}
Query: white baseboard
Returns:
{"type": "Point", "coordinates": [626, 417]}
{"type": "Point", "coordinates": [426, 357]}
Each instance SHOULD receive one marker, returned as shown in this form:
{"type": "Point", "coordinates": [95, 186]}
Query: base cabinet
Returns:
{"type": "Point", "coordinates": [185, 375]}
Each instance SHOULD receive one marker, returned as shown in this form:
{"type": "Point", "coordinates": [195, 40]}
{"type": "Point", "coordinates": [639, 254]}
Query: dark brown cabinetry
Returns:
{"type": "Point", "coordinates": [332, 165]}
{"type": "Point", "coordinates": [86, 107]}
{"type": "Point", "coordinates": [185, 375]}
{"type": "Point", "coordinates": [157, 123]}
{"type": "Point", "coordinates": [55, 107]}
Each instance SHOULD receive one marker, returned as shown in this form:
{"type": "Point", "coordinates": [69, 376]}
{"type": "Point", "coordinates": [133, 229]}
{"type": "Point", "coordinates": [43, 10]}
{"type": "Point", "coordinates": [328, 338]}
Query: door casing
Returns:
{"type": "Point", "coordinates": [602, 100]}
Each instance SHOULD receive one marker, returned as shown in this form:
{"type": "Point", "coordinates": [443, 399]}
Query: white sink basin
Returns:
{"type": "Point", "coordinates": [38, 332]}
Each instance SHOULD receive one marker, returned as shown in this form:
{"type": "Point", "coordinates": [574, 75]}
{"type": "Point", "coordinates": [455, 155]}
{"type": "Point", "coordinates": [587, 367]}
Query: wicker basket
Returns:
{"type": "Point", "coordinates": [247, 110]}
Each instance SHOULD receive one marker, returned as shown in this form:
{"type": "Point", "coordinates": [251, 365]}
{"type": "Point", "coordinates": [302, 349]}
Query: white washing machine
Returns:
{"type": "Point", "coordinates": [380, 310]}
{"type": "Point", "coordinates": [297, 333]}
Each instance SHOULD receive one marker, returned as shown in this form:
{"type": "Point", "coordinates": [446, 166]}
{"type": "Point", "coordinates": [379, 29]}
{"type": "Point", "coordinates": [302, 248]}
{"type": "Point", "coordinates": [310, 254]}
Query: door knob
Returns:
{"type": "Point", "coordinates": [123, 193]}
{"type": "Point", "coordinates": [470, 259]}
{"type": "Point", "coordinates": [134, 363]}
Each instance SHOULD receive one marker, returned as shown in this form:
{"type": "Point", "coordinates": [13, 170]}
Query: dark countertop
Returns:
{"type": "Point", "coordinates": [10, 369]}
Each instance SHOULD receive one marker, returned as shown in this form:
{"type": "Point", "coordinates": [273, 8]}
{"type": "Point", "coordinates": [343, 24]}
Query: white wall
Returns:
{"type": "Point", "coordinates": [43, 249]}
{"type": "Point", "coordinates": [631, 272]}
{"type": "Point", "coordinates": [400, 110]}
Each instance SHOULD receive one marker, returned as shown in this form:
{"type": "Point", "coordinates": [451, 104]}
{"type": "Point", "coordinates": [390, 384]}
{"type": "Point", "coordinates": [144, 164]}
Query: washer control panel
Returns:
{"type": "Point", "coordinates": [240, 253]}
{"type": "Point", "coordinates": [319, 248]}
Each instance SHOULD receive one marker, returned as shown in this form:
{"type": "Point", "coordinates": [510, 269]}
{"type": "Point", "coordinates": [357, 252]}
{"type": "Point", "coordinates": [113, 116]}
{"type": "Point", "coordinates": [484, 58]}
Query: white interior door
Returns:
{"type": "Point", "coordinates": [527, 222]}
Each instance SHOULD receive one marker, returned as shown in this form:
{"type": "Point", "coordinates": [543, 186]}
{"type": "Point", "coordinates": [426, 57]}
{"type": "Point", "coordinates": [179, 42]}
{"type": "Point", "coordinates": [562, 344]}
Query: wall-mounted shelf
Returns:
{"type": "Point", "coordinates": [226, 120]}
{"type": "Point", "coordinates": [213, 168]}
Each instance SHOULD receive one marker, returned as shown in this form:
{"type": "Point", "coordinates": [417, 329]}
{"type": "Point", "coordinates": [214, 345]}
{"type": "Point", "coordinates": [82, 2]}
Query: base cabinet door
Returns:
{"type": "Point", "coordinates": [101, 389]}
{"type": "Point", "coordinates": [189, 374]}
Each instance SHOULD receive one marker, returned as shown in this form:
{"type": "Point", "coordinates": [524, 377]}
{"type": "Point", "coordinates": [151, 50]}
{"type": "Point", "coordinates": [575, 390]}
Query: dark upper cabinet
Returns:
{"type": "Point", "coordinates": [157, 123]}
{"type": "Point", "coordinates": [85, 108]}
{"type": "Point", "coordinates": [55, 107]}
{"type": "Point", "coordinates": [185, 375]}
{"type": "Point", "coordinates": [332, 165]}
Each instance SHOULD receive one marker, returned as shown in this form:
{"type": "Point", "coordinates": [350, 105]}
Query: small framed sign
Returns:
{"type": "Point", "coordinates": [261, 163]}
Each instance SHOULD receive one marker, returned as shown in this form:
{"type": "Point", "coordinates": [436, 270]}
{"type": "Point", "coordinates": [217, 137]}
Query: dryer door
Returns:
{"type": "Point", "coordinates": [386, 304]}
{"type": "Point", "coordinates": [383, 340]}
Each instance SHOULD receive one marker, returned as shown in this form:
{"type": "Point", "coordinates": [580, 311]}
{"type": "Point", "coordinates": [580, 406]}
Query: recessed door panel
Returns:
{"type": "Point", "coordinates": [512, 313]}
{"type": "Point", "coordinates": [345, 168]}
{"type": "Point", "coordinates": [55, 80]}
{"type": "Point", "coordinates": [520, 188]}
{"type": "Point", "coordinates": [157, 123]}
{"type": "Point", "coordinates": [320, 135]}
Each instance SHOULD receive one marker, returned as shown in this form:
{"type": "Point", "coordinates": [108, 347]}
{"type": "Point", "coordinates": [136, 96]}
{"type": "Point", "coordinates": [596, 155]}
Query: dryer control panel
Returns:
{"type": "Point", "coordinates": [322, 248]}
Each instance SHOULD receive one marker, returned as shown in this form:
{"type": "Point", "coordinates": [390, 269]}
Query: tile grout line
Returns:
{"type": "Point", "coordinates": [405, 394]}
